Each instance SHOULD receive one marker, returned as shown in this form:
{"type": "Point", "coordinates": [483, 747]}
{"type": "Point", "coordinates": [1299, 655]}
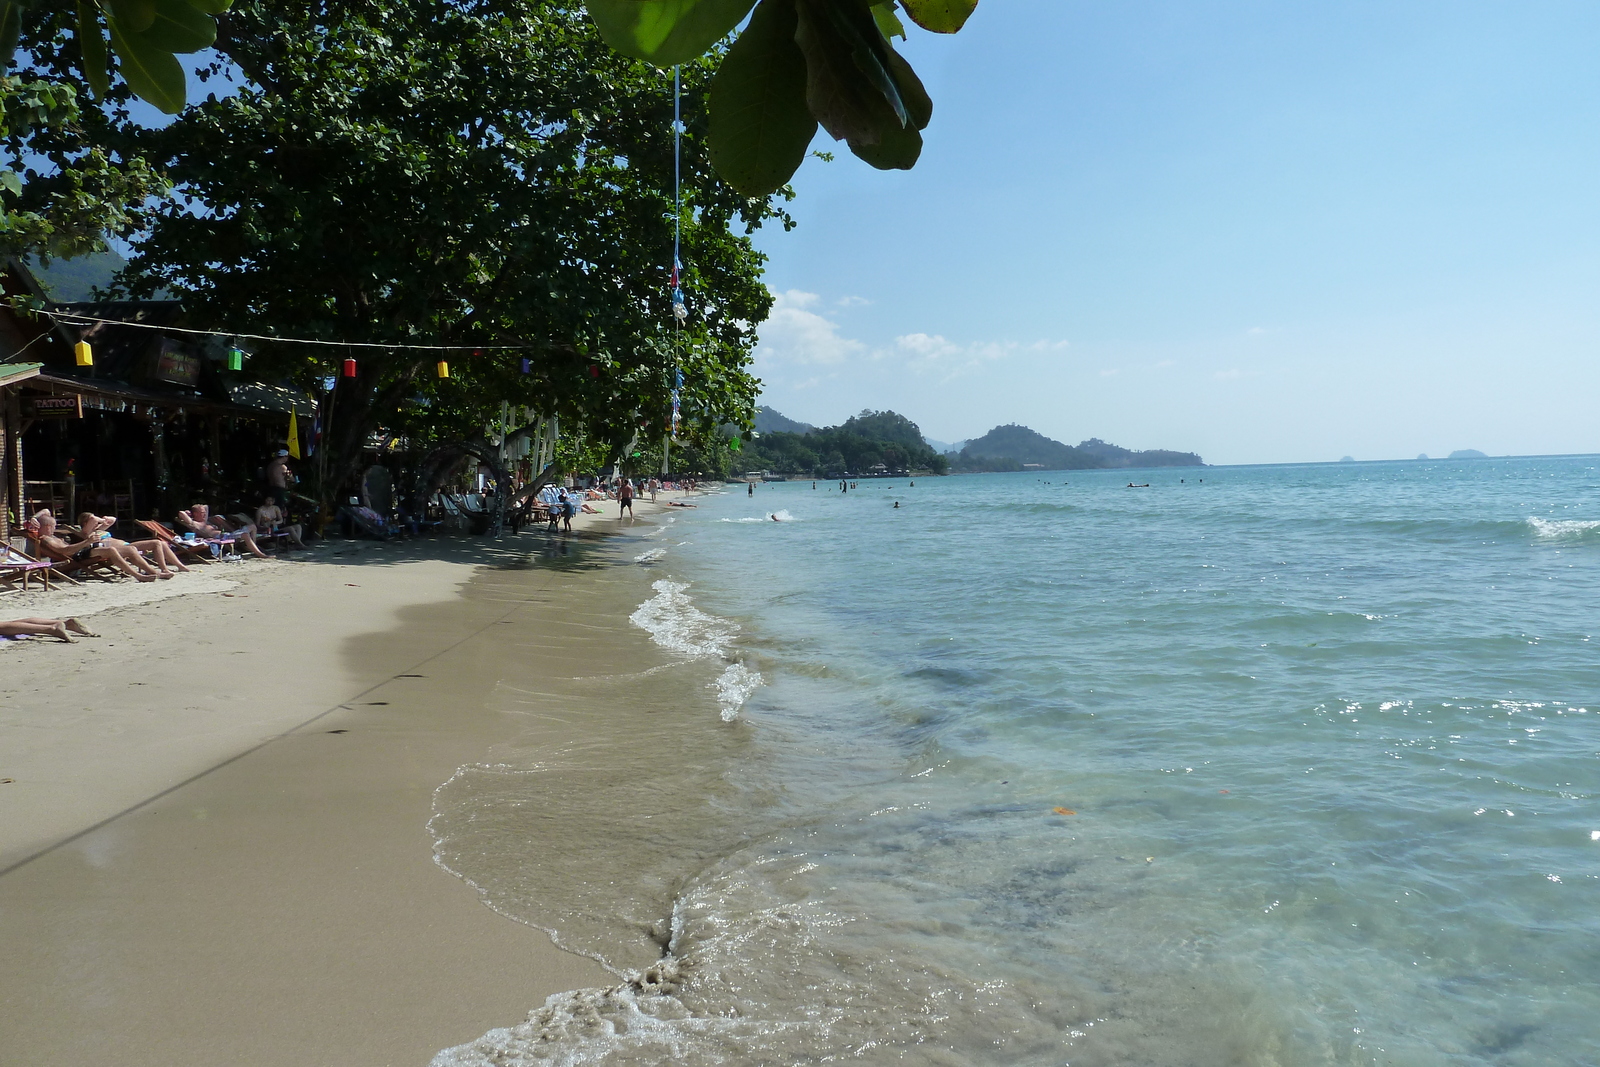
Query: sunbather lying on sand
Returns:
{"type": "Point", "coordinates": [200, 521]}
{"type": "Point", "coordinates": [45, 628]}
{"type": "Point", "coordinates": [96, 527]}
{"type": "Point", "coordinates": [119, 554]}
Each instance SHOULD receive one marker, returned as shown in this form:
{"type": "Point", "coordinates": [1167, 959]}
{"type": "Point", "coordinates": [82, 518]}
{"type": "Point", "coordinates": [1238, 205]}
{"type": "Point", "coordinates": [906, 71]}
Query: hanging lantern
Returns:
{"type": "Point", "coordinates": [235, 359]}
{"type": "Point", "coordinates": [83, 353]}
{"type": "Point", "coordinates": [444, 369]}
{"type": "Point", "coordinates": [349, 368]}
{"type": "Point", "coordinates": [594, 372]}
{"type": "Point", "coordinates": [527, 366]}
{"type": "Point", "coordinates": [733, 445]}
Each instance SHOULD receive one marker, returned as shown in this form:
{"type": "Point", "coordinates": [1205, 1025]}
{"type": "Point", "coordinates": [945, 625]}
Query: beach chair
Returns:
{"type": "Point", "coordinates": [69, 567]}
{"type": "Point", "coordinates": [279, 536]}
{"type": "Point", "coordinates": [19, 567]}
{"type": "Point", "coordinates": [196, 551]}
{"type": "Point", "coordinates": [369, 522]}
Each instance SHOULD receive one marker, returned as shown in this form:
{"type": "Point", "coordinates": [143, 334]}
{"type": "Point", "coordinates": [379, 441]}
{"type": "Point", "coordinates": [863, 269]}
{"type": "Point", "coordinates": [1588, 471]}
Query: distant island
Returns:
{"type": "Point", "coordinates": [878, 443]}
{"type": "Point", "coordinates": [1467, 453]}
{"type": "Point", "coordinates": [1015, 448]}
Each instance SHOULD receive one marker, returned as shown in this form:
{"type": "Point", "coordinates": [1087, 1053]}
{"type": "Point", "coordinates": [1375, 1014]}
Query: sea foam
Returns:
{"type": "Point", "coordinates": [1562, 528]}
{"type": "Point", "coordinates": [674, 623]}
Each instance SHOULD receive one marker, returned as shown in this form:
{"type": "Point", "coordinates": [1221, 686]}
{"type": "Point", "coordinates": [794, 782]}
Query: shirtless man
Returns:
{"type": "Point", "coordinates": [198, 519]}
{"type": "Point", "coordinates": [95, 528]}
{"type": "Point", "coordinates": [270, 517]}
{"type": "Point", "coordinates": [119, 554]}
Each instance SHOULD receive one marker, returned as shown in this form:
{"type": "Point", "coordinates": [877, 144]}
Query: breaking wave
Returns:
{"type": "Point", "coordinates": [674, 623]}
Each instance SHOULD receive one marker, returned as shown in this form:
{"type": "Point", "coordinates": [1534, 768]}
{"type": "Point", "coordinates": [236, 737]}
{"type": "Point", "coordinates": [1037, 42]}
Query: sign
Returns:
{"type": "Point", "coordinates": [56, 407]}
{"type": "Point", "coordinates": [175, 365]}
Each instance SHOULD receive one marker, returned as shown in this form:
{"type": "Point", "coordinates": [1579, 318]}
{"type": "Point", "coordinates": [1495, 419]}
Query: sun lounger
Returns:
{"type": "Point", "coordinates": [20, 567]}
{"type": "Point", "coordinates": [369, 522]}
{"type": "Point", "coordinates": [87, 567]}
{"type": "Point", "coordinates": [195, 551]}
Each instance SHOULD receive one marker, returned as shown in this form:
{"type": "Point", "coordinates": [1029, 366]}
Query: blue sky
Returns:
{"type": "Point", "coordinates": [1262, 232]}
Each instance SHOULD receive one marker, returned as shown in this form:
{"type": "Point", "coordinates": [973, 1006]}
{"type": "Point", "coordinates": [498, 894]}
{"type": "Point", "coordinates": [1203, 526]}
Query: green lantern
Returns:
{"type": "Point", "coordinates": [235, 359]}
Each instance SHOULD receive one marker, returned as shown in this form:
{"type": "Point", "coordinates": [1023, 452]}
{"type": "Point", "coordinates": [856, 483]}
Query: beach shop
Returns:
{"type": "Point", "coordinates": [123, 415]}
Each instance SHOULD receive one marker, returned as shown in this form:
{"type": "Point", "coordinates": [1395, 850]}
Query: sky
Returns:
{"type": "Point", "coordinates": [1264, 232]}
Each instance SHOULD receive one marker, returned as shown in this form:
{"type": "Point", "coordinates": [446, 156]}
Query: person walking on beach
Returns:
{"type": "Point", "coordinates": [625, 498]}
{"type": "Point", "coordinates": [569, 508]}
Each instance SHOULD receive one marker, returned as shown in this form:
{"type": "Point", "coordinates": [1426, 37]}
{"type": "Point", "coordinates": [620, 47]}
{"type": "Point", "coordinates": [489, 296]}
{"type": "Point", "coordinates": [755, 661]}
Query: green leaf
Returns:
{"type": "Point", "coordinates": [136, 16]}
{"type": "Point", "coordinates": [212, 7]}
{"type": "Point", "coordinates": [848, 87]}
{"type": "Point", "coordinates": [153, 74]}
{"type": "Point", "coordinates": [180, 27]}
{"type": "Point", "coordinates": [11, 182]}
{"type": "Point", "coordinates": [10, 30]}
{"type": "Point", "coordinates": [919, 105]}
{"type": "Point", "coordinates": [96, 67]}
{"type": "Point", "coordinates": [895, 150]}
{"type": "Point", "coordinates": [760, 125]}
{"type": "Point", "coordinates": [666, 31]}
{"type": "Point", "coordinates": [888, 22]}
{"type": "Point", "coordinates": [939, 16]}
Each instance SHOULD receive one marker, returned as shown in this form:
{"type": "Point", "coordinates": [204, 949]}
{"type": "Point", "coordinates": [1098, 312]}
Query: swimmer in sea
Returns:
{"type": "Point", "coordinates": [897, 503]}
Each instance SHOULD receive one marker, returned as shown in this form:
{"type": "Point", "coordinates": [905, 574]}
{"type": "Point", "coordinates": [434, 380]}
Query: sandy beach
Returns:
{"type": "Point", "coordinates": [214, 844]}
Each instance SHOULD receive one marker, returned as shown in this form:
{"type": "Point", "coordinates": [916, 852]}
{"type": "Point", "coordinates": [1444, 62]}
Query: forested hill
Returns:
{"type": "Point", "coordinates": [873, 442]}
{"type": "Point", "coordinates": [1012, 448]}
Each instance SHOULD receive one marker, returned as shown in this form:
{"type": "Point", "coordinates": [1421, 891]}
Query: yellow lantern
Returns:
{"type": "Point", "coordinates": [84, 354]}
{"type": "Point", "coordinates": [444, 369]}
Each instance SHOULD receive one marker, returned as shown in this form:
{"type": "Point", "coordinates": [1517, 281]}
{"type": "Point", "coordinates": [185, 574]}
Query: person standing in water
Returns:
{"type": "Point", "coordinates": [749, 488]}
{"type": "Point", "coordinates": [625, 498]}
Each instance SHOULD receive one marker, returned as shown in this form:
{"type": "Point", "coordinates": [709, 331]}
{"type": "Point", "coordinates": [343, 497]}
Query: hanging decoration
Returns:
{"type": "Point", "coordinates": [349, 368]}
{"type": "Point", "coordinates": [444, 369]}
{"type": "Point", "coordinates": [83, 353]}
{"type": "Point", "coordinates": [527, 366]}
{"type": "Point", "coordinates": [294, 436]}
{"type": "Point", "coordinates": [235, 359]}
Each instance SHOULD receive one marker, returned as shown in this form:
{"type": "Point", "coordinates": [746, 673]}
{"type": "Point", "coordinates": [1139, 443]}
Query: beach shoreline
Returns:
{"type": "Point", "coordinates": [232, 859]}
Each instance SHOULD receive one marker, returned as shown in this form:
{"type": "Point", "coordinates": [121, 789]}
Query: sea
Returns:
{"type": "Point", "coordinates": [1266, 765]}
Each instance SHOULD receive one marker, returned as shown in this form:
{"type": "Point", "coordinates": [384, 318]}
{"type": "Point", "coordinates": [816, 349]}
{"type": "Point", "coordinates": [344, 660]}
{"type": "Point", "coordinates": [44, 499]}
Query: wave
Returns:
{"type": "Point", "coordinates": [654, 555]}
{"type": "Point", "coordinates": [674, 623]}
{"type": "Point", "coordinates": [781, 515]}
{"type": "Point", "coordinates": [1563, 529]}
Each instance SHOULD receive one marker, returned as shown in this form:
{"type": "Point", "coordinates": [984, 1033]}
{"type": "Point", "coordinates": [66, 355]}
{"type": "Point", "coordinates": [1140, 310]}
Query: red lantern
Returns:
{"type": "Point", "coordinates": [594, 372]}
{"type": "Point", "coordinates": [349, 368]}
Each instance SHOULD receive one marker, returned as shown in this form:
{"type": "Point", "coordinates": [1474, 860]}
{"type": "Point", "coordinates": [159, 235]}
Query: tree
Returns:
{"type": "Point", "coordinates": [797, 64]}
{"type": "Point", "coordinates": [474, 173]}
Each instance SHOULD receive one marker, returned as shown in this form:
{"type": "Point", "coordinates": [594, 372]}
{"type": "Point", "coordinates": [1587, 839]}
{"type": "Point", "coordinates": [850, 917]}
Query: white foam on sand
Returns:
{"type": "Point", "coordinates": [652, 556]}
{"type": "Point", "coordinates": [734, 687]}
{"type": "Point", "coordinates": [781, 515]}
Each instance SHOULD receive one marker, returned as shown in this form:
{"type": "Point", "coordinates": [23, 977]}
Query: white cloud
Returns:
{"type": "Point", "coordinates": [853, 301]}
{"type": "Point", "coordinates": [1255, 331]}
{"type": "Point", "coordinates": [1108, 374]}
{"type": "Point", "coordinates": [931, 352]}
{"type": "Point", "coordinates": [794, 333]}
{"type": "Point", "coordinates": [1229, 375]}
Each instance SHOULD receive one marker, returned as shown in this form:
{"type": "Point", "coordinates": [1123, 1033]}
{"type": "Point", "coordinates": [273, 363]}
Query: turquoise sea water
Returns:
{"type": "Point", "coordinates": [1328, 736]}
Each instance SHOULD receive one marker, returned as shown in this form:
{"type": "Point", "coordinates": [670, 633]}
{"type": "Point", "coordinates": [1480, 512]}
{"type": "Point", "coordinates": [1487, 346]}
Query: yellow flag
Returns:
{"type": "Point", "coordinates": [294, 436]}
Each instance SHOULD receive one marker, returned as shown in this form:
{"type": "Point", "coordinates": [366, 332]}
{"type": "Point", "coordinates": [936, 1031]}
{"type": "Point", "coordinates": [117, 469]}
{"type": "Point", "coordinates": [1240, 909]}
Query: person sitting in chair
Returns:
{"type": "Point", "coordinates": [270, 517]}
{"type": "Point", "coordinates": [119, 554]}
{"type": "Point", "coordinates": [199, 520]}
{"type": "Point", "coordinates": [98, 527]}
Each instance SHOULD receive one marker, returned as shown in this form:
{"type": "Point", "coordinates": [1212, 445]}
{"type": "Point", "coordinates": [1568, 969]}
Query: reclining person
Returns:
{"type": "Point", "coordinates": [57, 628]}
{"type": "Point", "coordinates": [97, 528]}
{"type": "Point", "coordinates": [119, 554]}
{"type": "Point", "coordinates": [200, 521]}
{"type": "Point", "coordinates": [270, 518]}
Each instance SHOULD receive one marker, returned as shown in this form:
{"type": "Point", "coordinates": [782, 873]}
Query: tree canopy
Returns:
{"type": "Point", "coordinates": [476, 174]}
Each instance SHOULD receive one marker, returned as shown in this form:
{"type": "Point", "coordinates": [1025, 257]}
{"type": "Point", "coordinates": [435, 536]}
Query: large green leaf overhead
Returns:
{"type": "Point", "coordinates": [146, 36]}
{"type": "Point", "coordinates": [797, 63]}
{"type": "Point", "coordinates": [760, 125]}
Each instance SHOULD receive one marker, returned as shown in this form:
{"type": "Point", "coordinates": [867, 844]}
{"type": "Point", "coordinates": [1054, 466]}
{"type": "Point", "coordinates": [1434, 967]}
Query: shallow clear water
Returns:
{"type": "Point", "coordinates": [1326, 737]}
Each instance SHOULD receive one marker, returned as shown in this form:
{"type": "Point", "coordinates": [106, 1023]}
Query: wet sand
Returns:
{"type": "Point", "coordinates": [230, 862]}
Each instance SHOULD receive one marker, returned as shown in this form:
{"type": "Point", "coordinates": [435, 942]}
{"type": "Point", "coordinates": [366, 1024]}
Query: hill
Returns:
{"type": "Point", "coordinates": [1014, 447]}
{"type": "Point", "coordinates": [770, 421]}
{"type": "Point", "coordinates": [873, 442]}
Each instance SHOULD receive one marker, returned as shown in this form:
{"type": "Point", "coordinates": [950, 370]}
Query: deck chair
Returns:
{"type": "Point", "coordinates": [187, 551]}
{"type": "Point", "coordinates": [77, 568]}
{"type": "Point", "coordinates": [370, 522]}
{"type": "Point", "coordinates": [20, 567]}
{"type": "Point", "coordinates": [279, 536]}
